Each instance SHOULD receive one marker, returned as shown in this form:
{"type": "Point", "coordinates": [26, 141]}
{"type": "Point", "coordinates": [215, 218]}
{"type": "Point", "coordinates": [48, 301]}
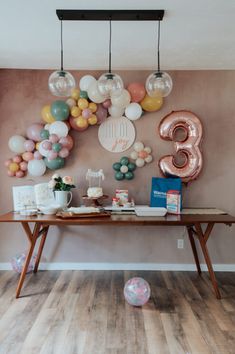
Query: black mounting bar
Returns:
{"type": "Point", "coordinates": [114, 15]}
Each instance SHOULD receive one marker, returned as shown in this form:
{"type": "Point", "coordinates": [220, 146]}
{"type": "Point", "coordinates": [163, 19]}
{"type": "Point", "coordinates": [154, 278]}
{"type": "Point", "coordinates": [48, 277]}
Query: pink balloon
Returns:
{"type": "Point", "coordinates": [64, 152]}
{"type": "Point", "coordinates": [23, 166]}
{"type": "Point", "coordinates": [27, 156]}
{"type": "Point", "coordinates": [53, 138]}
{"type": "Point", "coordinates": [107, 103]}
{"type": "Point", "coordinates": [52, 155]}
{"type": "Point", "coordinates": [101, 114]}
{"type": "Point", "coordinates": [17, 159]}
{"type": "Point", "coordinates": [7, 162]}
{"type": "Point", "coordinates": [47, 145]}
{"type": "Point", "coordinates": [67, 142]}
{"type": "Point", "coordinates": [137, 91]}
{"type": "Point", "coordinates": [19, 174]}
{"type": "Point", "coordinates": [10, 173]}
{"type": "Point", "coordinates": [33, 132]}
{"type": "Point", "coordinates": [29, 145]}
{"type": "Point", "coordinates": [86, 113]}
{"type": "Point", "coordinates": [37, 155]}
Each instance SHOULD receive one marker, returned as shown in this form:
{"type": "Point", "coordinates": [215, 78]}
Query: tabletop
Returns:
{"type": "Point", "coordinates": [189, 219]}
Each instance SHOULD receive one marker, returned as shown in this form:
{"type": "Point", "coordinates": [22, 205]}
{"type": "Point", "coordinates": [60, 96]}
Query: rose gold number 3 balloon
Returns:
{"type": "Point", "coordinates": [187, 148]}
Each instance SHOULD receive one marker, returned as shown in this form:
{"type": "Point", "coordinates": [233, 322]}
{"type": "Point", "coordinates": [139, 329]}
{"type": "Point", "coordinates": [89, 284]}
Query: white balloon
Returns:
{"type": "Point", "coordinates": [42, 151]}
{"type": "Point", "coordinates": [16, 144]}
{"type": "Point", "coordinates": [94, 94]}
{"type": "Point", "coordinates": [115, 111]}
{"type": "Point", "coordinates": [134, 155]}
{"type": "Point", "coordinates": [138, 146]}
{"type": "Point", "coordinates": [148, 149]}
{"type": "Point", "coordinates": [148, 159]}
{"type": "Point", "coordinates": [139, 162]}
{"type": "Point", "coordinates": [86, 81]}
{"type": "Point", "coordinates": [59, 128]}
{"type": "Point", "coordinates": [121, 101]}
{"type": "Point", "coordinates": [124, 169]}
{"type": "Point", "coordinates": [47, 126]}
{"type": "Point", "coordinates": [133, 111]}
{"type": "Point", "coordinates": [36, 168]}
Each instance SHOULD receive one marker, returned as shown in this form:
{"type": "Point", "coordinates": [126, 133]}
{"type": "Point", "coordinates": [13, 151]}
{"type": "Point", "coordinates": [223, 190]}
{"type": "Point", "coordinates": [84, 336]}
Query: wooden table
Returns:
{"type": "Point", "coordinates": [192, 222]}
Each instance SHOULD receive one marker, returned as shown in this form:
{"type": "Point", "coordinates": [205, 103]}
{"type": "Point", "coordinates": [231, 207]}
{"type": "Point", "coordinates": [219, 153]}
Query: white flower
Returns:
{"type": "Point", "coordinates": [55, 176]}
{"type": "Point", "coordinates": [52, 183]}
{"type": "Point", "coordinates": [67, 180]}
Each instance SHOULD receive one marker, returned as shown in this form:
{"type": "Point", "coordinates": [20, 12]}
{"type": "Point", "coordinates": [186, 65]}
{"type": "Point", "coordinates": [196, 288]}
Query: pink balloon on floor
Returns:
{"type": "Point", "coordinates": [67, 142]}
{"type": "Point", "coordinates": [137, 291]}
{"type": "Point", "coordinates": [64, 152]}
{"type": "Point", "coordinates": [23, 166]}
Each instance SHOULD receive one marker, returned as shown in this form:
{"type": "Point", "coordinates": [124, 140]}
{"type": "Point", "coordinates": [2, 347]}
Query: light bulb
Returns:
{"type": "Point", "coordinates": [110, 85]}
{"type": "Point", "coordinates": [159, 84]}
{"type": "Point", "coordinates": [61, 83]}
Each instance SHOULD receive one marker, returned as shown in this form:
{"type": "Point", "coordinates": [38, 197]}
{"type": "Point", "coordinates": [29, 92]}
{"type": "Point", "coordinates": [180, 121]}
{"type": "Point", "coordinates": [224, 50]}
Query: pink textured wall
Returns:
{"type": "Point", "coordinates": [209, 94]}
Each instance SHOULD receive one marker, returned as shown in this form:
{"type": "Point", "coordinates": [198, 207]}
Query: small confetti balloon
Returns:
{"type": "Point", "coordinates": [17, 262]}
{"type": "Point", "coordinates": [137, 291]}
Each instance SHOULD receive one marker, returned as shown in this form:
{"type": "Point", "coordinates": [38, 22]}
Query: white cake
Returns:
{"type": "Point", "coordinates": [95, 192]}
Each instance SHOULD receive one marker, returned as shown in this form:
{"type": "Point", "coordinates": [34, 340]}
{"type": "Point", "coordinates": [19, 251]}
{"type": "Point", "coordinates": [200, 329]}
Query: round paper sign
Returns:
{"type": "Point", "coordinates": [116, 134]}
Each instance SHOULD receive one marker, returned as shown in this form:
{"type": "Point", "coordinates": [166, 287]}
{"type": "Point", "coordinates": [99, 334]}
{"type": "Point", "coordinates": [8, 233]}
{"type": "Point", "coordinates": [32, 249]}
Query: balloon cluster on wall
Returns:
{"type": "Point", "coordinates": [48, 144]}
{"type": "Point", "coordinates": [124, 169]}
{"type": "Point", "coordinates": [141, 154]}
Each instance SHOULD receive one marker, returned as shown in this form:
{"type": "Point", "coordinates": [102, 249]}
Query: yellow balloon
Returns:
{"type": "Point", "coordinates": [92, 120]}
{"type": "Point", "coordinates": [13, 167]}
{"type": "Point", "coordinates": [46, 114]}
{"type": "Point", "coordinates": [75, 93]}
{"type": "Point", "coordinates": [81, 122]}
{"type": "Point", "coordinates": [83, 103]}
{"type": "Point", "coordinates": [93, 107]}
{"type": "Point", "coordinates": [37, 145]}
{"type": "Point", "coordinates": [151, 104]}
{"type": "Point", "coordinates": [75, 111]}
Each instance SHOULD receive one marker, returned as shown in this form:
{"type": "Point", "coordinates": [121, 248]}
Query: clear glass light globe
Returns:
{"type": "Point", "coordinates": [61, 83]}
{"type": "Point", "coordinates": [159, 84]}
{"type": "Point", "coordinates": [110, 85]}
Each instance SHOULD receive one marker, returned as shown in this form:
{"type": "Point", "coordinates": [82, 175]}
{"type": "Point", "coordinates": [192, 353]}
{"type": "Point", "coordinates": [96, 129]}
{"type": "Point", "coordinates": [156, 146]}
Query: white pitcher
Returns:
{"type": "Point", "coordinates": [61, 198]}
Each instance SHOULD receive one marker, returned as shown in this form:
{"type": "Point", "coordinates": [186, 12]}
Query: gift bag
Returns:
{"type": "Point", "coordinates": [160, 186]}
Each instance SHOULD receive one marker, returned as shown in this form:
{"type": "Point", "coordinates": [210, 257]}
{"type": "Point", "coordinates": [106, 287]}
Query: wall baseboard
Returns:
{"type": "Point", "coordinates": [127, 266]}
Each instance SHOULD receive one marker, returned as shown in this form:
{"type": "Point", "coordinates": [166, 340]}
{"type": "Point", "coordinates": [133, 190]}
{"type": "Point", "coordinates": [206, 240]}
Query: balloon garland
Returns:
{"type": "Point", "coordinates": [48, 144]}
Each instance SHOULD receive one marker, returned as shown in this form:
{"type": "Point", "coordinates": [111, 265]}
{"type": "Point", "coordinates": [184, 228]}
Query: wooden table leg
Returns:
{"type": "Point", "coordinates": [194, 249]}
{"type": "Point", "coordinates": [40, 249]}
{"type": "Point", "coordinates": [32, 237]}
{"type": "Point", "coordinates": [203, 237]}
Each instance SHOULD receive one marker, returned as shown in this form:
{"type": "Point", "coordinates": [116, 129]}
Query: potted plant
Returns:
{"type": "Point", "coordinates": [62, 189]}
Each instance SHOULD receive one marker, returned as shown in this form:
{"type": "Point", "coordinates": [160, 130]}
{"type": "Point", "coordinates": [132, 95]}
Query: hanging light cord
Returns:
{"type": "Point", "coordinates": [61, 46]}
{"type": "Point", "coordinates": [110, 43]}
{"type": "Point", "coordinates": [158, 47]}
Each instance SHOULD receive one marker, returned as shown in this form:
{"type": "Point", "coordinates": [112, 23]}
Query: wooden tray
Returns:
{"type": "Point", "coordinates": [70, 215]}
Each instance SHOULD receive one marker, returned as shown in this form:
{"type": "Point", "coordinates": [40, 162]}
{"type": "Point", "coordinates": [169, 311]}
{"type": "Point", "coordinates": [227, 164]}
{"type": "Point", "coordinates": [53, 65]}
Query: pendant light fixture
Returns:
{"type": "Point", "coordinates": [61, 82]}
{"type": "Point", "coordinates": [110, 84]}
{"type": "Point", "coordinates": [159, 83]}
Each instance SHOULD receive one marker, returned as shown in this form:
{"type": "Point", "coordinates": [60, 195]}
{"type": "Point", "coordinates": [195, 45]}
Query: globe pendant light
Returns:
{"type": "Point", "coordinates": [159, 83]}
{"type": "Point", "coordinates": [110, 84]}
{"type": "Point", "coordinates": [61, 82]}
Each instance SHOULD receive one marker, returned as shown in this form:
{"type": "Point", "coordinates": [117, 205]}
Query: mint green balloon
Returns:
{"type": "Point", "coordinates": [60, 110]}
{"type": "Point", "coordinates": [124, 161]}
{"type": "Point", "coordinates": [131, 166]}
{"type": "Point", "coordinates": [55, 164]}
{"type": "Point", "coordinates": [117, 166]}
{"type": "Point", "coordinates": [56, 147]}
{"type": "Point", "coordinates": [44, 134]}
{"type": "Point", "coordinates": [119, 176]}
{"type": "Point", "coordinates": [83, 94]}
{"type": "Point", "coordinates": [129, 175]}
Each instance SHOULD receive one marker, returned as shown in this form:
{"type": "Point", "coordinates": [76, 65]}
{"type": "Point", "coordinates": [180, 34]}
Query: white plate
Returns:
{"type": "Point", "coordinates": [148, 211]}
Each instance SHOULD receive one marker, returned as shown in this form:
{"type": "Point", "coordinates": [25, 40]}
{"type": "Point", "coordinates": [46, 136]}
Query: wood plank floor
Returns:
{"type": "Point", "coordinates": [84, 312]}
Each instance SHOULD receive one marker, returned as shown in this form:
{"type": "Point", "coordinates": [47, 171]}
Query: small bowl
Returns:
{"type": "Point", "coordinates": [49, 210]}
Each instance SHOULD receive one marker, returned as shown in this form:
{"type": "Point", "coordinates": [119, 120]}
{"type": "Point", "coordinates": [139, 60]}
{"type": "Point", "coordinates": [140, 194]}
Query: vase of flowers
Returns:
{"type": "Point", "coordinates": [62, 189]}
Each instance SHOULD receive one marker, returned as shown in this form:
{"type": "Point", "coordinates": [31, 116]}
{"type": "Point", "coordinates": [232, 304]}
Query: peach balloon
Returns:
{"type": "Point", "coordinates": [27, 156]}
{"type": "Point", "coordinates": [53, 138]}
{"type": "Point", "coordinates": [10, 173]}
{"type": "Point", "coordinates": [143, 154]}
{"type": "Point", "coordinates": [7, 162]}
{"type": "Point", "coordinates": [67, 142]}
{"type": "Point", "coordinates": [137, 91]}
{"type": "Point", "coordinates": [64, 152]}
